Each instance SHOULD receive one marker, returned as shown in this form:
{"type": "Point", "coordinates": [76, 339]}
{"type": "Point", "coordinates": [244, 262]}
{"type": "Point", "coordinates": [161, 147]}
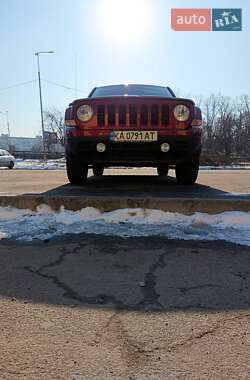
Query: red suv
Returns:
{"type": "Point", "coordinates": [133, 125]}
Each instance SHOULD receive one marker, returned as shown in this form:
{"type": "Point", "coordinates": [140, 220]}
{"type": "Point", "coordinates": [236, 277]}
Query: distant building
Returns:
{"type": "Point", "coordinates": [17, 144]}
{"type": "Point", "coordinates": [26, 144]}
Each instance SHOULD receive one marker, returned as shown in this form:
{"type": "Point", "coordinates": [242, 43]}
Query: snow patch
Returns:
{"type": "Point", "coordinates": [40, 164]}
{"type": "Point", "coordinates": [2, 236]}
{"type": "Point", "coordinates": [225, 167]}
{"type": "Point", "coordinates": [44, 223]}
{"type": "Point", "coordinates": [59, 164]}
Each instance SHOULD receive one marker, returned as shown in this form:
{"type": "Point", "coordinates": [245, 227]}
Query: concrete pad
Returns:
{"type": "Point", "coordinates": [216, 191]}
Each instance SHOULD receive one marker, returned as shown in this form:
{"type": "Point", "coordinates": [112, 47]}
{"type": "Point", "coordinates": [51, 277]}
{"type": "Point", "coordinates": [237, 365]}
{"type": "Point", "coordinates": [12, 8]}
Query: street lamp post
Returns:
{"type": "Point", "coordinates": [6, 113]}
{"type": "Point", "coordinates": [40, 96]}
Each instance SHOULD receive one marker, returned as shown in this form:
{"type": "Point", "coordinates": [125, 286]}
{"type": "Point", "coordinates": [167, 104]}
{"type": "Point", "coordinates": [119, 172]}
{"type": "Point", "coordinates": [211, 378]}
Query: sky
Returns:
{"type": "Point", "coordinates": [98, 42]}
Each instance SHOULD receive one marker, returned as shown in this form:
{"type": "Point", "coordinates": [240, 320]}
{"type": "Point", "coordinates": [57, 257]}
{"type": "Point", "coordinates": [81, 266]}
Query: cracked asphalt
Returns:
{"type": "Point", "coordinates": [96, 307]}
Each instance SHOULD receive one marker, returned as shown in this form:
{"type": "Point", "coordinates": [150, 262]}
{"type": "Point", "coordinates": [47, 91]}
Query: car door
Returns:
{"type": "Point", "coordinates": [7, 158]}
{"type": "Point", "coordinates": [2, 159]}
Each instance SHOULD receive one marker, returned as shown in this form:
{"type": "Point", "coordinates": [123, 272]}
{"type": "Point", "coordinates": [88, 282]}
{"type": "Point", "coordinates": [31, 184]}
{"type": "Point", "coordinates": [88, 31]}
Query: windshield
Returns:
{"type": "Point", "coordinates": [132, 90]}
{"type": "Point", "coordinates": [4, 152]}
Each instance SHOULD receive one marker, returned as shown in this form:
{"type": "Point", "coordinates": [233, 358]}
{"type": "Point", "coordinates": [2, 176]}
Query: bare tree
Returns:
{"type": "Point", "coordinates": [54, 122]}
{"type": "Point", "coordinates": [210, 108]}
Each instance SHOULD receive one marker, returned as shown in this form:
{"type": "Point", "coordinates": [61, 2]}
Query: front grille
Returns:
{"type": "Point", "coordinates": [130, 115]}
{"type": "Point", "coordinates": [154, 115]}
{"type": "Point", "coordinates": [133, 116]}
{"type": "Point", "coordinates": [165, 115]}
{"type": "Point", "coordinates": [111, 116]}
{"type": "Point", "coordinates": [101, 116]}
{"type": "Point", "coordinates": [122, 115]}
{"type": "Point", "coordinates": [144, 115]}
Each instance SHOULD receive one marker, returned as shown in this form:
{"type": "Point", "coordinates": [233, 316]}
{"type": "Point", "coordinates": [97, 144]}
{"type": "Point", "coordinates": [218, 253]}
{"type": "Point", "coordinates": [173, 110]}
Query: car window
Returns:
{"type": "Point", "coordinates": [4, 153]}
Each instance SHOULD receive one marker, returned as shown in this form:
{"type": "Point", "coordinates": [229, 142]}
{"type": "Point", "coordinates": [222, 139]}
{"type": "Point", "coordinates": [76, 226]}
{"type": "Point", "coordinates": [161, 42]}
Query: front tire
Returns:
{"type": "Point", "coordinates": [11, 165]}
{"type": "Point", "coordinates": [187, 173]}
{"type": "Point", "coordinates": [98, 170]}
{"type": "Point", "coordinates": [77, 173]}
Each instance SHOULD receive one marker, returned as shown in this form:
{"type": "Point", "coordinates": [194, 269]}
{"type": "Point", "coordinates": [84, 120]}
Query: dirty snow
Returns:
{"type": "Point", "coordinates": [59, 164]}
{"type": "Point", "coordinates": [26, 225]}
{"type": "Point", "coordinates": [40, 164]}
{"type": "Point", "coordinates": [225, 167]}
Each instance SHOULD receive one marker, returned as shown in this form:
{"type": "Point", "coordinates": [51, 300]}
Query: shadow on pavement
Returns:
{"type": "Point", "coordinates": [137, 274]}
{"type": "Point", "coordinates": [139, 186]}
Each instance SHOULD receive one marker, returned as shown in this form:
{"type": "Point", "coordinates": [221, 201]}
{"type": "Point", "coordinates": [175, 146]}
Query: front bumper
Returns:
{"type": "Point", "coordinates": [182, 148]}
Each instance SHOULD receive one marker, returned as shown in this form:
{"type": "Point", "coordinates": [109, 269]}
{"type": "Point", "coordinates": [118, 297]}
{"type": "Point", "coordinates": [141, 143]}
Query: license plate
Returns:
{"type": "Point", "coordinates": [134, 136]}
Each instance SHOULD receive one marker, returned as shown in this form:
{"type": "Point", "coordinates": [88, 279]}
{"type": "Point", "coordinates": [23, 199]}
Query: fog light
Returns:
{"type": "Point", "coordinates": [100, 147]}
{"type": "Point", "coordinates": [165, 147]}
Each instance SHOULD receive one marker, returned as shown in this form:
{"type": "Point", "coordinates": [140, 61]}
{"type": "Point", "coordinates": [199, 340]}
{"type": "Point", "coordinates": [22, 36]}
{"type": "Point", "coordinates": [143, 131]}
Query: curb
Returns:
{"type": "Point", "coordinates": [185, 206]}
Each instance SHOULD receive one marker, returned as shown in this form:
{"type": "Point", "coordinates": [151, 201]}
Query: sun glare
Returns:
{"type": "Point", "coordinates": [125, 20]}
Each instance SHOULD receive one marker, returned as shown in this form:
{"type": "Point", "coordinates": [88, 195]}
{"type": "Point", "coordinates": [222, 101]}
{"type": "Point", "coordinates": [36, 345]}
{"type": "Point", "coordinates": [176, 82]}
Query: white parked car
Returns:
{"type": "Point", "coordinates": [6, 159]}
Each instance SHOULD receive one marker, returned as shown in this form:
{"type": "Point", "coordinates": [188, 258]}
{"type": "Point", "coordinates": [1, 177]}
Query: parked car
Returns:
{"type": "Point", "coordinates": [133, 125]}
{"type": "Point", "coordinates": [6, 159]}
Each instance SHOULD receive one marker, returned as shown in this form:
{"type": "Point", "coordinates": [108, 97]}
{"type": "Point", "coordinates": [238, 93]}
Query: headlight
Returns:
{"type": "Point", "coordinates": [181, 112]}
{"type": "Point", "coordinates": [85, 113]}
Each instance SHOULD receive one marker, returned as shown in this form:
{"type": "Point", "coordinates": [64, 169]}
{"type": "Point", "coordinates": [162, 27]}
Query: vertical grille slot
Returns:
{"type": "Point", "coordinates": [100, 116]}
{"type": "Point", "coordinates": [159, 115]}
{"type": "Point", "coordinates": [111, 115]}
{"type": "Point", "coordinates": [122, 115]}
{"type": "Point", "coordinates": [165, 114]}
{"type": "Point", "coordinates": [154, 115]}
{"type": "Point", "coordinates": [133, 116]}
{"type": "Point", "coordinates": [144, 115]}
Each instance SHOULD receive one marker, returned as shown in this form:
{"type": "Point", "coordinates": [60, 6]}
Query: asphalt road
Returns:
{"type": "Point", "coordinates": [127, 182]}
{"type": "Point", "coordinates": [93, 307]}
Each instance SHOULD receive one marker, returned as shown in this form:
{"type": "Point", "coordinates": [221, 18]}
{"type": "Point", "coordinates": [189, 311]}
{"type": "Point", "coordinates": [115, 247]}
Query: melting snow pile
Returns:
{"type": "Point", "coordinates": [59, 164]}
{"type": "Point", "coordinates": [44, 223]}
{"type": "Point", "coordinates": [225, 167]}
{"type": "Point", "coordinates": [40, 164]}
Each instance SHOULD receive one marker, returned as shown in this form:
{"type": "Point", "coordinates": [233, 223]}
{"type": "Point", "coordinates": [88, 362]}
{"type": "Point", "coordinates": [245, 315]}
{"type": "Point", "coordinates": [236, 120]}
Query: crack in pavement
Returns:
{"type": "Point", "coordinates": [187, 289]}
{"type": "Point", "coordinates": [69, 292]}
{"type": "Point", "coordinates": [150, 300]}
{"type": "Point", "coordinates": [133, 353]}
{"type": "Point", "coordinates": [137, 354]}
{"type": "Point", "coordinates": [150, 297]}
{"type": "Point", "coordinates": [5, 370]}
{"type": "Point", "coordinates": [190, 341]}
{"type": "Point", "coordinates": [242, 275]}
